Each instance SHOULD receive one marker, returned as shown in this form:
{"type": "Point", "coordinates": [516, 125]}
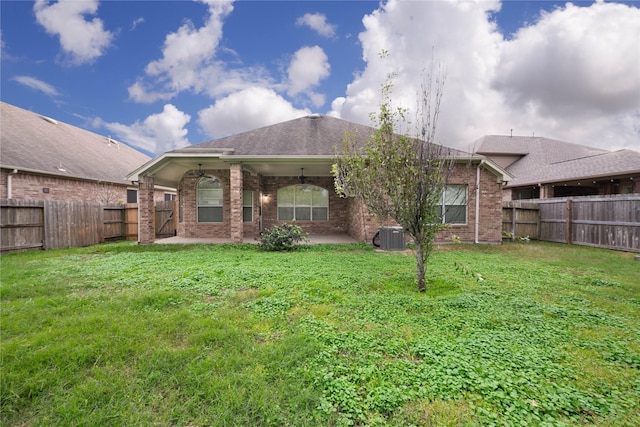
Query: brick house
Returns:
{"type": "Point", "coordinates": [236, 186]}
{"type": "Point", "coordinates": [45, 159]}
{"type": "Point", "coordinates": [543, 168]}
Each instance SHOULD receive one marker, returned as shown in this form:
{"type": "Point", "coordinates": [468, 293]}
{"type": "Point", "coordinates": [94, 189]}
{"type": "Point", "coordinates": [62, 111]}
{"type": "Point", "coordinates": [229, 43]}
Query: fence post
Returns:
{"type": "Point", "coordinates": [568, 215]}
{"type": "Point", "coordinates": [513, 222]}
{"type": "Point", "coordinates": [123, 217]}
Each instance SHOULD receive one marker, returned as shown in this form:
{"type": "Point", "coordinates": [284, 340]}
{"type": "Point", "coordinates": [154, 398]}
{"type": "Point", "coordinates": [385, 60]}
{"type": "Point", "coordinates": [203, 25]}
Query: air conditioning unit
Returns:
{"type": "Point", "coordinates": [391, 238]}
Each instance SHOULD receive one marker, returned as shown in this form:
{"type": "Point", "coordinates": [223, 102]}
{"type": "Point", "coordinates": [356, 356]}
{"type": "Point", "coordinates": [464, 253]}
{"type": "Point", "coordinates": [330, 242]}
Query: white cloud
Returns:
{"type": "Point", "coordinates": [459, 35]}
{"type": "Point", "coordinates": [3, 53]}
{"type": "Point", "coordinates": [157, 133]}
{"type": "Point", "coordinates": [318, 23]}
{"type": "Point", "coordinates": [82, 40]}
{"type": "Point", "coordinates": [308, 67]}
{"type": "Point", "coordinates": [573, 60]}
{"type": "Point", "coordinates": [245, 110]}
{"type": "Point", "coordinates": [38, 85]}
{"type": "Point", "coordinates": [216, 80]}
{"type": "Point", "coordinates": [136, 22]}
{"type": "Point", "coordinates": [186, 55]}
{"type": "Point", "coordinates": [138, 93]}
{"type": "Point", "coordinates": [571, 75]}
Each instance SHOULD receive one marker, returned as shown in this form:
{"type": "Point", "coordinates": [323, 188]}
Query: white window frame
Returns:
{"type": "Point", "coordinates": [314, 205]}
{"type": "Point", "coordinates": [247, 194]}
{"type": "Point", "coordinates": [215, 199]}
{"type": "Point", "coordinates": [445, 204]}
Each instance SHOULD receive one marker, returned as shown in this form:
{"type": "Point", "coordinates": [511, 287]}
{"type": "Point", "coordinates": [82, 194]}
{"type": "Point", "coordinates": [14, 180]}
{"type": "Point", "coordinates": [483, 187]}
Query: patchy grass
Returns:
{"type": "Point", "coordinates": [519, 334]}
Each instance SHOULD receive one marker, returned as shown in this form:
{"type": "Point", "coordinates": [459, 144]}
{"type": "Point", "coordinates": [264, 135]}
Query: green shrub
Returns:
{"type": "Point", "coordinates": [282, 237]}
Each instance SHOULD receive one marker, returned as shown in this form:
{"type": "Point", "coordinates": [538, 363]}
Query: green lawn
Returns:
{"type": "Point", "coordinates": [518, 334]}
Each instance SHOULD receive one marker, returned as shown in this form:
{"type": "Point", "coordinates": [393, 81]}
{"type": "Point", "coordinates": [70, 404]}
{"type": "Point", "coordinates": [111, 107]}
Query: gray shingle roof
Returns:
{"type": "Point", "coordinates": [29, 141]}
{"type": "Point", "coordinates": [282, 149]}
{"type": "Point", "coordinates": [314, 135]}
{"type": "Point", "coordinates": [546, 160]}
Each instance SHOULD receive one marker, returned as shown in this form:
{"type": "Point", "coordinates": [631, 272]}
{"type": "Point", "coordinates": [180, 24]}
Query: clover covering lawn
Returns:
{"type": "Point", "coordinates": [199, 335]}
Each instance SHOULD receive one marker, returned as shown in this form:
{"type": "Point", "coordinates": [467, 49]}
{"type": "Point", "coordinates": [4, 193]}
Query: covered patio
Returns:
{"type": "Point", "coordinates": [314, 239]}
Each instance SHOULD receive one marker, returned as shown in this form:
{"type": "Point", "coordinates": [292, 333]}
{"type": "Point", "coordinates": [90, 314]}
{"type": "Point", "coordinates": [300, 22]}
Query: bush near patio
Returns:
{"type": "Point", "coordinates": [520, 334]}
{"type": "Point", "coordinates": [283, 237]}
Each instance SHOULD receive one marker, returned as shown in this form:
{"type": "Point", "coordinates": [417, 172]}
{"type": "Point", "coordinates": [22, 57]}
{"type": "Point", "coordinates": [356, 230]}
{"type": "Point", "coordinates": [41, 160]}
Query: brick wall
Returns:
{"type": "Point", "coordinates": [345, 215]}
{"type": "Point", "coordinates": [490, 227]}
{"type": "Point", "coordinates": [268, 186]}
{"type": "Point", "coordinates": [146, 211]}
{"type": "Point", "coordinates": [338, 207]}
{"type": "Point", "coordinates": [235, 196]}
{"type": "Point", "coordinates": [188, 225]}
{"type": "Point", "coordinates": [362, 225]}
{"type": "Point", "coordinates": [44, 187]}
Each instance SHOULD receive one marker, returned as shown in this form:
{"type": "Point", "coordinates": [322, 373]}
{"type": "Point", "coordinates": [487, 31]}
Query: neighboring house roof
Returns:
{"type": "Point", "coordinates": [34, 143]}
{"type": "Point", "coordinates": [545, 160]}
{"type": "Point", "coordinates": [309, 142]}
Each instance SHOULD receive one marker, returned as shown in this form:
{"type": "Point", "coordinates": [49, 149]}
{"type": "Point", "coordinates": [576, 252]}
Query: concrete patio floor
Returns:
{"type": "Point", "coordinates": [313, 240]}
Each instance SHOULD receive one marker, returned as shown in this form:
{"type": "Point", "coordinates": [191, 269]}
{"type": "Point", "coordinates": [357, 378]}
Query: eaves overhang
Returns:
{"type": "Point", "coordinates": [169, 168]}
{"type": "Point", "coordinates": [577, 178]}
{"type": "Point", "coordinates": [62, 175]}
{"type": "Point", "coordinates": [501, 174]}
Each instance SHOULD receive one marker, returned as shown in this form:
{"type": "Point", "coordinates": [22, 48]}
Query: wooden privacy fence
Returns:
{"type": "Point", "coordinates": [521, 219]}
{"type": "Point", "coordinates": [37, 224]}
{"type": "Point", "coordinates": [165, 219]}
{"type": "Point", "coordinates": [604, 221]}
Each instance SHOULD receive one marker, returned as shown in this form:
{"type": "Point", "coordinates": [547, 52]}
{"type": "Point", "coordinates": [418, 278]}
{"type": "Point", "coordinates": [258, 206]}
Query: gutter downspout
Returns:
{"type": "Point", "coordinates": [477, 216]}
{"type": "Point", "coordinates": [10, 183]}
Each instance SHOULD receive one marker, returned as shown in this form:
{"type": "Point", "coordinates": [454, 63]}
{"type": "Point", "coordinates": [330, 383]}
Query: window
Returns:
{"type": "Point", "coordinates": [169, 197]}
{"type": "Point", "coordinates": [132, 196]}
{"type": "Point", "coordinates": [209, 200]}
{"type": "Point", "coordinates": [247, 206]}
{"type": "Point", "coordinates": [453, 204]}
{"type": "Point", "coordinates": [303, 203]}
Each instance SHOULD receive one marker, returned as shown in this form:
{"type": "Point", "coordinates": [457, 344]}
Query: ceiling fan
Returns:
{"type": "Point", "coordinates": [302, 178]}
{"type": "Point", "coordinates": [200, 173]}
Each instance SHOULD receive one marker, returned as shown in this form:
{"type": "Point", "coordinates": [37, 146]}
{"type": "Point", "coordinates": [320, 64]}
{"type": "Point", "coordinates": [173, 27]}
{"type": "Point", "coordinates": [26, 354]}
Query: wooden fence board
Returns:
{"type": "Point", "coordinates": [113, 222]}
{"type": "Point", "coordinates": [164, 219]}
{"type": "Point", "coordinates": [521, 219]}
{"type": "Point", "coordinates": [131, 221]}
{"type": "Point", "coordinates": [604, 221]}
{"type": "Point", "coordinates": [29, 224]}
{"type": "Point", "coordinates": [21, 225]}
{"type": "Point", "coordinates": [72, 224]}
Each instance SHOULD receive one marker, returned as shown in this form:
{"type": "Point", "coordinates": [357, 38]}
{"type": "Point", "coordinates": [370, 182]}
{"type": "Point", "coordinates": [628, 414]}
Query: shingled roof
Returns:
{"type": "Point", "coordinates": [545, 160]}
{"type": "Point", "coordinates": [282, 149]}
{"type": "Point", "coordinates": [39, 144]}
{"type": "Point", "coordinates": [313, 135]}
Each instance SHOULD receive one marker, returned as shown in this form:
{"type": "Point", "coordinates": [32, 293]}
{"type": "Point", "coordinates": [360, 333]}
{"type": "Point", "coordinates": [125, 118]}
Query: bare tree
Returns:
{"type": "Point", "coordinates": [106, 192]}
{"type": "Point", "coordinates": [400, 172]}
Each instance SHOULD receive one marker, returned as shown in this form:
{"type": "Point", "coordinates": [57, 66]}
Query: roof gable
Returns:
{"type": "Point", "coordinates": [40, 144]}
{"type": "Point", "coordinates": [313, 135]}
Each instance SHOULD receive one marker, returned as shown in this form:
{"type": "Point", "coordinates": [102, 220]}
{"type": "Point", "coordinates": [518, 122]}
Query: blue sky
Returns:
{"type": "Point", "coordinates": [159, 75]}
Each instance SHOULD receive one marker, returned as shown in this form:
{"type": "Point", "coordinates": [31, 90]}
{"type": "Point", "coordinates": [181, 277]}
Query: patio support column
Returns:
{"type": "Point", "coordinates": [146, 211]}
{"type": "Point", "coordinates": [236, 203]}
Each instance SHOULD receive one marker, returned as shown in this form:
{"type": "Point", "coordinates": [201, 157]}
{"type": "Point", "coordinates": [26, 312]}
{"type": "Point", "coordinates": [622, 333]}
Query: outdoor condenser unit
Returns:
{"type": "Point", "coordinates": [391, 238]}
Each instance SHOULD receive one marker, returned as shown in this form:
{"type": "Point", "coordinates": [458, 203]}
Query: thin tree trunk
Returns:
{"type": "Point", "coordinates": [422, 286]}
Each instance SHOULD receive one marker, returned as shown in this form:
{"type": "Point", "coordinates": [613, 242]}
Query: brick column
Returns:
{"type": "Point", "coordinates": [146, 211]}
{"type": "Point", "coordinates": [236, 203]}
